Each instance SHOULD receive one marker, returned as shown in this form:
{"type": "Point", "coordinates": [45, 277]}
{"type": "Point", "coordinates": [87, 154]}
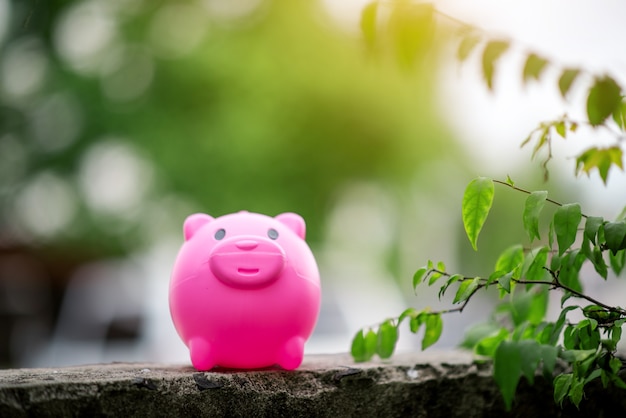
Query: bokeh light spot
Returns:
{"type": "Point", "coordinates": [23, 68]}
{"type": "Point", "coordinates": [229, 11]}
{"type": "Point", "coordinates": [84, 32]}
{"type": "Point", "coordinates": [128, 74]}
{"type": "Point", "coordinates": [46, 205]}
{"type": "Point", "coordinates": [177, 29]}
{"type": "Point", "coordinates": [56, 122]}
{"type": "Point", "coordinates": [114, 177]}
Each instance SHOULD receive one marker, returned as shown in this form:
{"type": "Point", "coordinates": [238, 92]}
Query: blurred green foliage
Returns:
{"type": "Point", "coordinates": [270, 112]}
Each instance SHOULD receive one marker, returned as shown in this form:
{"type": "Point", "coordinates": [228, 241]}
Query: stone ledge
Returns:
{"type": "Point", "coordinates": [435, 384]}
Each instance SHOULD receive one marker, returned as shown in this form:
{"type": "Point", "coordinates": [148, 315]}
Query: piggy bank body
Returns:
{"type": "Point", "coordinates": [245, 290]}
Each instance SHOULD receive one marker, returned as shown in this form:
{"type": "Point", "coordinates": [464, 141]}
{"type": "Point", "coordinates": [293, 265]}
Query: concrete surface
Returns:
{"type": "Point", "coordinates": [430, 384]}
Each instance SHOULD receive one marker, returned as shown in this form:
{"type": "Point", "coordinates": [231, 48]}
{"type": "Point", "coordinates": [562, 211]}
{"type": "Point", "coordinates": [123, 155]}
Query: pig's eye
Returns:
{"type": "Point", "coordinates": [272, 233]}
{"type": "Point", "coordinates": [219, 234]}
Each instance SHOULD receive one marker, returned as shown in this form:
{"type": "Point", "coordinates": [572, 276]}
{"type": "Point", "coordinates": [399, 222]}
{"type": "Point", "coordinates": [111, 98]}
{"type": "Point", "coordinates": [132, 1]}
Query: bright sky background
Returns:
{"type": "Point", "coordinates": [570, 33]}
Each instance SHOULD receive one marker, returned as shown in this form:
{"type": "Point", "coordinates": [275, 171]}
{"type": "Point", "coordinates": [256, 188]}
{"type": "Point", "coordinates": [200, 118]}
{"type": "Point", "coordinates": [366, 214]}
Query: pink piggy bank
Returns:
{"type": "Point", "coordinates": [245, 290]}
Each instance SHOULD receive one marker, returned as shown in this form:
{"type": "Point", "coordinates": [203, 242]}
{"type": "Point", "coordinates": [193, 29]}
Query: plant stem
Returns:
{"type": "Point", "coordinates": [556, 283]}
{"type": "Point", "coordinates": [460, 308]}
{"type": "Point", "coordinates": [504, 183]}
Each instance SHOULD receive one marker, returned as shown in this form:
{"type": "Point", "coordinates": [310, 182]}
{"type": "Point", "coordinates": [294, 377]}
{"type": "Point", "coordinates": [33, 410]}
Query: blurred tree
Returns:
{"type": "Point", "coordinates": [266, 108]}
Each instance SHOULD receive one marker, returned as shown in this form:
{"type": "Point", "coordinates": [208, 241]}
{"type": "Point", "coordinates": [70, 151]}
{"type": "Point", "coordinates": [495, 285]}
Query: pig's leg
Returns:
{"type": "Point", "coordinates": [290, 357]}
{"type": "Point", "coordinates": [200, 351]}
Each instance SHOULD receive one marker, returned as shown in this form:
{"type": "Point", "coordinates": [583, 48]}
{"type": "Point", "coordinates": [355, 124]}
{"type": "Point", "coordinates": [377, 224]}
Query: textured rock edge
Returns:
{"type": "Point", "coordinates": [446, 384]}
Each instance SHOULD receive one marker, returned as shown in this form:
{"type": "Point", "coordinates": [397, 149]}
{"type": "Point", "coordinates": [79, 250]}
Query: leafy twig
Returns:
{"type": "Point", "coordinates": [527, 192]}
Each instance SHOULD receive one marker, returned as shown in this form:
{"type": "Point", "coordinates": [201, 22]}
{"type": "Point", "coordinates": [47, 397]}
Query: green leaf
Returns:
{"type": "Point", "coordinates": [589, 322]}
{"type": "Point", "coordinates": [544, 332]}
{"type": "Point", "coordinates": [507, 370]}
{"type": "Point", "coordinates": [566, 80]}
{"type": "Point", "coordinates": [560, 129]}
{"type": "Point", "coordinates": [551, 235]}
{"type": "Point", "coordinates": [505, 282]}
{"type": "Point", "coordinates": [477, 332]}
{"type": "Point", "coordinates": [477, 201]}
{"type": "Point", "coordinates": [555, 262]}
{"type": "Point", "coordinates": [562, 384]}
{"type": "Point", "coordinates": [371, 340]}
{"type": "Point", "coordinates": [434, 327]}
{"type": "Point", "coordinates": [548, 356]}
{"type": "Point", "coordinates": [527, 140]}
{"type": "Point", "coordinates": [416, 322]}
{"type": "Point", "coordinates": [466, 289]}
{"type": "Point", "coordinates": [510, 259]}
{"type": "Point", "coordinates": [492, 52]}
{"type": "Point", "coordinates": [539, 257]}
{"type": "Point", "coordinates": [509, 181]}
{"type": "Point", "coordinates": [619, 115]}
{"type": "Point", "coordinates": [566, 220]}
{"type": "Point", "coordinates": [533, 68]}
{"type": "Point", "coordinates": [359, 348]}
{"type": "Point", "coordinates": [618, 382]}
{"type": "Point", "coordinates": [615, 364]}
{"type": "Point", "coordinates": [411, 26]}
{"type": "Point", "coordinates": [494, 276]}
{"type": "Point", "coordinates": [538, 305]}
{"type": "Point", "coordinates": [592, 225]}
{"type": "Point", "coordinates": [368, 23]}
{"type": "Point", "coordinates": [532, 208]}
{"type": "Point", "coordinates": [387, 338]}
{"type": "Point", "coordinates": [616, 332]}
{"type": "Point", "coordinates": [605, 379]}
{"type": "Point", "coordinates": [558, 325]}
{"type": "Point", "coordinates": [617, 261]}
{"type": "Point", "coordinates": [593, 375]}
{"type": "Point", "coordinates": [452, 279]}
{"type": "Point", "coordinates": [576, 391]}
{"type": "Point", "coordinates": [489, 344]}
{"type": "Point", "coordinates": [434, 276]}
{"type": "Point", "coordinates": [571, 264]}
{"type": "Point", "coordinates": [577, 355]}
{"type": "Point", "coordinates": [604, 98]}
{"type": "Point", "coordinates": [600, 158]}
{"type": "Point", "coordinates": [529, 306]}
{"type": "Point", "coordinates": [407, 313]}
{"type": "Point", "coordinates": [417, 277]}
{"type": "Point", "coordinates": [466, 46]}
{"type": "Point", "coordinates": [597, 259]}
{"type": "Point", "coordinates": [456, 278]}
{"type": "Point", "coordinates": [566, 296]}
{"type": "Point", "coordinates": [615, 235]}
{"type": "Point", "coordinates": [599, 314]}
{"type": "Point", "coordinates": [530, 351]}
{"type": "Point", "coordinates": [544, 139]}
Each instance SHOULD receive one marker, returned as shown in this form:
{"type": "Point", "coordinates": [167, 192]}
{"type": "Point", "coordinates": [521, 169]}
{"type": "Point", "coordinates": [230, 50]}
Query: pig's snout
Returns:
{"type": "Point", "coordinates": [247, 262]}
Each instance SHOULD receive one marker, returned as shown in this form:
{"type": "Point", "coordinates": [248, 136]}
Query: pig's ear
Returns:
{"type": "Point", "coordinates": [294, 222]}
{"type": "Point", "coordinates": [195, 222]}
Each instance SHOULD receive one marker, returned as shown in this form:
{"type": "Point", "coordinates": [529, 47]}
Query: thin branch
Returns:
{"type": "Point", "coordinates": [556, 283]}
{"type": "Point", "coordinates": [504, 183]}
{"type": "Point", "coordinates": [460, 308]}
